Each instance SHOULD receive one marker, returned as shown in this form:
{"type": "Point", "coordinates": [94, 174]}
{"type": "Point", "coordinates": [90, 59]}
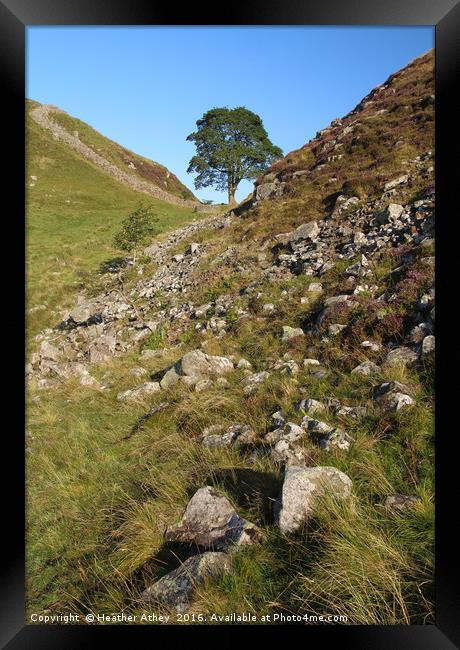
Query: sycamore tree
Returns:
{"type": "Point", "coordinates": [231, 145]}
{"type": "Point", "coordinates": [136, 230]}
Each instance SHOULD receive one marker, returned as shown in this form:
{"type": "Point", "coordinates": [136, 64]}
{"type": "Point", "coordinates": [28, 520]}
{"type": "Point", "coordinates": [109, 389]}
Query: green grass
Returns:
{"type": "Point", "coordinates": [101, 495]}
{"type": "Point", "coordinates": [103, 484]}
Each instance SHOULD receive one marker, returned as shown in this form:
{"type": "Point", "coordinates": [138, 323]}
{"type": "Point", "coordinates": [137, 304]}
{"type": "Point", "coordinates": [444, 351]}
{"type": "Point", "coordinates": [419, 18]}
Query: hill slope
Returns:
{"type": "Point", "coordinates": [74, 207]}
{"type": "Point", "coordinates": [255, 361]}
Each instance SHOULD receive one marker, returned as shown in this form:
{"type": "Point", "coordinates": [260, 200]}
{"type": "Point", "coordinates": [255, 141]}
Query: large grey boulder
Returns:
{"type": "Point", "coordinates": [302, 490]}
{"type": "Point", "coordinates": [268, 190]}
{"type": "Point", "coordinates": [308, 230]}
{"type": "Point", "coordinates": [194, 366]}
{"type": "Point", "coordinates": [176, 589]}
{"type": "Point", "coordinates": [198, 363]}
{"type": "Point", "coordinates": [86, 313]}
{"type": "Point", "coordinates": [211, 522]}
{"type": "Point", "coordinates": [401, 356]}
{"type": "Point", "coordinates": [391, 213]}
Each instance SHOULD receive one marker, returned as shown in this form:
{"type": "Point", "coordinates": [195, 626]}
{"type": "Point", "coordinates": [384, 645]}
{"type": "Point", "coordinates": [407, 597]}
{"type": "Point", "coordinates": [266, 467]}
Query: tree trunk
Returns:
{"type": "Point", "coordinates": [231, 191]}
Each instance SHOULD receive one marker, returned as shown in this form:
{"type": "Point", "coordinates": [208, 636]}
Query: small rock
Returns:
{"type": "Point", "coordinates": [309, 363]}
{"type": "Point", "coordinates": [395, 182]}
{"type": "Point", "coordinates": [366, 368]}
{"type": "Point", "coordinates": [251, 382]}
{"type": "Point", "coordinates": [203, 384]}
{"type": "Point", "coordinates": [428, 344]}
{"type": "Point", "coordinates": [310, 406]}
{"type": "Point", "coordinates": [176, 588]}
{"type": "Point", "coordinates": [141, 391]}
{"type": "Point", "coordinates": [244, 363]}
{"type": "Point", "coordinates": [289, 431]}
{"type": "Point", "coordinates": [279, 419]}
{"type": "Point", "coordinates": [400, 502]}
{"type": "Point", "coordinates": [374, 347]}
{"type": "Point", "coordinates": [290, 333]}
{"type": "Point", "coordinates": [336, 439]}
{"type": "Point", "coordinates": [289, 454]}
{"type": "Point", "coordinates": [335, 329]}
{"type": "Point", "coordinates": [236, 434]}
{"type": "Point", "coordinates": [138, 372]}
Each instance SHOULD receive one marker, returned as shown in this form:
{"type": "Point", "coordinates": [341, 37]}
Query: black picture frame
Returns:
{"type": "Point", "coordinates": [15, 16]}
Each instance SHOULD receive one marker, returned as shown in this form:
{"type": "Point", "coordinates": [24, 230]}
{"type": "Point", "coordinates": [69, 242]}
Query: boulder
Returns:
{"type": "Point", "coordinates": [195, 366]}
{"type": "Point", "coordinates": [310, 406]}
{"type": "Point", "coordinates": [336, 439]}
{"type": "Point", "coordinates": [393, 396]}
{"type": "Point", "coordinates": [268, 190]}
{"type": "Point", "coordinates": [48, 351]}
{"type": "Point", "coordinates": [176, 589]}
{"type": "Point", "coordinates": [211, 522]}
{"type": "Point", "coordinates": [291, 333]}
{"type": "Point", "coordinates": [401, 356]}
{"type": "Point", "coordinates": [302, 490]}
{"type": "Point", "coordinates": [86, 313]}
{"type": "Point", "coordinates": [308, 230]}
{"type": "Point", "coordinates": [366, 368]}
{"type": "Point", "coordinates": [391, 213]}
{"type": "Point", "coordinates": [169, 378]}
{"type": "Point", "coordinates": [198, 364]}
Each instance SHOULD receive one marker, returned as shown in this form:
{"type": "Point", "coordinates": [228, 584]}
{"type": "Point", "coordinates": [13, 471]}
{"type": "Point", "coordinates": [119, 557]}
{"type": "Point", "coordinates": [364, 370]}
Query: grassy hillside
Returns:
{"type": "Point", "coordinates": [123, 158]}
{"type": "Point", "coordinates": [73, 210]}
{"type": "Point", "coordinates": [357, 154]}
{"type": "Point", "coordinates": [107, 476]}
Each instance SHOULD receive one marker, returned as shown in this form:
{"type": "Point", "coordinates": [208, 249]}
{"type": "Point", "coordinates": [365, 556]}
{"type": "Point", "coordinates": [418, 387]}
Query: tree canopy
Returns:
{"type": "Point", "coordinates": [232, 145]}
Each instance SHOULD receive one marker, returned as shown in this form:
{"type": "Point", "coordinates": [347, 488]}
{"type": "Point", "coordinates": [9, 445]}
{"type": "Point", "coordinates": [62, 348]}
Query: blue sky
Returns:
{"type": "Point", "coordinates": [145, 87]}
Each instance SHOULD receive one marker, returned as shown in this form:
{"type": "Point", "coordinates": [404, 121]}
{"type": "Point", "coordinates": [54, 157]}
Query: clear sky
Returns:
{"type": "Point", "coordinates": [145, 87]}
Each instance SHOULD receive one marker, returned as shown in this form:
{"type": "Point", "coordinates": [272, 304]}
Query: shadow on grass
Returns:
{"type": "Point", "coordinates": [113, 265]}
{"type": "Point", "coordinates": [249, 489]}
